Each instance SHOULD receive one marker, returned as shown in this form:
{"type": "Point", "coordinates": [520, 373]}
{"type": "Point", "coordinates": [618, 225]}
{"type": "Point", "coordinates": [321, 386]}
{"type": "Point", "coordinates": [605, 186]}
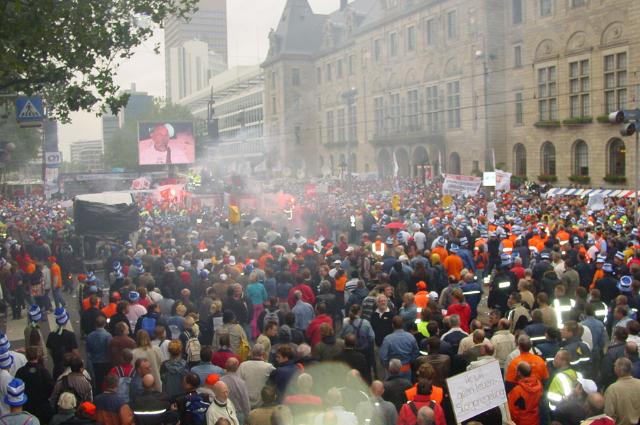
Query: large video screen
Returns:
{"type": "Point", "coordinates": [166, 143]}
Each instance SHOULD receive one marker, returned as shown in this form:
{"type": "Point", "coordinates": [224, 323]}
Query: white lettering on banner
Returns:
{"type": "Point", "coordinates": [460, 185]}
{"type": "Point", "coordinates": [476, 391]}
{"type": "Point", "coordinates": [503, 180]}
{"type": "Point", "coordinates": [596, 202]}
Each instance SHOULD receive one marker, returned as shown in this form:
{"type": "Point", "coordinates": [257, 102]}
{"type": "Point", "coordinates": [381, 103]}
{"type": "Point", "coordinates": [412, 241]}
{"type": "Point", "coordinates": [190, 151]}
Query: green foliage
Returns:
{"type": "Point", "coordinates": [122, 150]}
{"type": "Point", "coordinates": [578, 121]}
{"type": "Point", "coordinates": [69, 50]}
{"type": "Point", "coordinates": [603, 119]}
{"type": "Point", "coordinates": [26, 140]}
{"type": "Point", "coordinates": [547, 124]}
{"type": "Point", "coordinates": [580, 179]}
{"type": "Point", "coordinates": [615, 179]}
{"type": "Point", "coordinates": [548, 178]}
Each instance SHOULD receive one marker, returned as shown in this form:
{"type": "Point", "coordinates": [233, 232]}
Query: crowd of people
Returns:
{"type": "Point", "coordinates": [200, 321]}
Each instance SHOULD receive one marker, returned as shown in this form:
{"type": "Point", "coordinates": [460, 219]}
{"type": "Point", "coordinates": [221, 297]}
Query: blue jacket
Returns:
{"type": "Point", "coordinates": [398, 345]}
{"type": "Point", "coordinates": [467, 259]}
{"type": "Point", "coordinates": [598, 333]}
{"type": "Point", "coordinates": [282, 375]}
{"type": "Point", "coordinates": [98, 346]}
{"type": "Point", "coordinates": [472, 294]}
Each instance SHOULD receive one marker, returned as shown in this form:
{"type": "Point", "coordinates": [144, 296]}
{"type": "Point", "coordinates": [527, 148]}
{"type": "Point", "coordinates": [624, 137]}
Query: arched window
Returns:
{"type": "Point", "coordinates": [580, 158]}
{"type": "Point", "coordinates": [353, 163]}
{"type": "Point", "coordinates": [548, 156]}
{"type": "Point", "coordinates": [454, 163]}
{"type": "Point", "coordinates": [616, 152]}
{"type": "Point", "coordinates": [520, 160]}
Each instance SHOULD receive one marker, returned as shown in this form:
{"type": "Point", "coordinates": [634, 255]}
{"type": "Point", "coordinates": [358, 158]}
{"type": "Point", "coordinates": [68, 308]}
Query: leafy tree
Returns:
{"type": "Point", "coordinates": [122, 150]}
{"type": "Point", "coordinates": [69, 50]}
{"type": "Point", "coordinates": [27, 141]}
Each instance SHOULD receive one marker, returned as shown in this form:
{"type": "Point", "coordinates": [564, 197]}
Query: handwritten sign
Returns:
{"type": "Point", "coordinates": [460, 185]}
{"type": "Point", "coordinates": [476, 391]}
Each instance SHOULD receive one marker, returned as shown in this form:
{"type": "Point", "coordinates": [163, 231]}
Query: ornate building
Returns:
{"type": "Point", "coordinates": [385, 85]}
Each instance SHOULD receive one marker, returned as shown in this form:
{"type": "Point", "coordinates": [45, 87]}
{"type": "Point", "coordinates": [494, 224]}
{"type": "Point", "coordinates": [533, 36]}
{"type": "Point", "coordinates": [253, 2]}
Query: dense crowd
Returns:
{"type": "Point", "coordinates": [201, 321]}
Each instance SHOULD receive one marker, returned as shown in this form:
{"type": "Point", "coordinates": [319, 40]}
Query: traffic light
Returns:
{"type": "Point", "coordinates": [628, 118]}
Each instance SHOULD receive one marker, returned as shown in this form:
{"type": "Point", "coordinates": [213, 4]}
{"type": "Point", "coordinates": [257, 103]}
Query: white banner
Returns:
{"type": "Point", "coordinates": [489, 178]}
{"type": "Point", "coordinates": [503, 180]}
{"type": "Point", "coordinates": [476, 391]}
{"type": "Point", "coordinates": [596, 202]}
{"type": "Point", "coordinates": [460, 185]}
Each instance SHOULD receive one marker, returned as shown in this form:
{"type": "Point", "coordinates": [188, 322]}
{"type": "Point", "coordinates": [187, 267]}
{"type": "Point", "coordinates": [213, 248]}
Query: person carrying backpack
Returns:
{"type": "Point", "coordinates": [124, 372]}
{"type": "Point", "coordinates": [192, 406]}
{"type": "Point", "coordinates": [75, 383]}
{"type": "Point", "coordinates": [363, 332]}
{"type": "Point", "coordinates": [190, 342]}
{"type": "Point", "coordinates": [150, 320]}
{"type": "Point", "coordinates": [111, 409]}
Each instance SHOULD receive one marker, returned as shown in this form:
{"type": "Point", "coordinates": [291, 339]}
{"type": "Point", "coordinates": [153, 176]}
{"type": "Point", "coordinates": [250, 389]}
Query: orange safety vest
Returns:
{"type": "Point", "coordinates": [436, 393]}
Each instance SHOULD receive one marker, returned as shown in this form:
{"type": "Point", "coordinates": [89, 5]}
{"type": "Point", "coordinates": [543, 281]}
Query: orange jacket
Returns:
{"type": "Point", "coordinates": [422, 299]}
{"type": "Point", "coordinates": [442, 252]}
{"type": "Point", "coordinates": [538, 367]}
{"type": "Point", "coordinates": [453, 265]}
{"type": "Point", "coordinates": [436, 393]}
{"type": "Point", "coordinates": [524, 400]}
{"type": "Point", "coordinates": [599, 274]}
{"type": "Point", "coordinates": [56, 272]}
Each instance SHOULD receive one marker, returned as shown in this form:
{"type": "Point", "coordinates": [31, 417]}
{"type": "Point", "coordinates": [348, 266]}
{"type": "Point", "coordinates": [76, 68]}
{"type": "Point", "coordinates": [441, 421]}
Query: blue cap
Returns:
{"type": "Point", "coordinates": [61, 316]}
{"type": "Point", "coordinates": [134, 296]}
{"type": "Point", "coordinates": [6, 360]}
{"type": "Point", "coordinates": [607, 267]}
{"type": "Point", "coordinates": [15, 393]}
{"type": "Point", "coordinates": [35, 315]}
{"type": "Point", "coordinates": [624, 284]}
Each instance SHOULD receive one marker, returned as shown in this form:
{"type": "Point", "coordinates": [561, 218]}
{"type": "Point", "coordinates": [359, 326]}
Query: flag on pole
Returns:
{"type": "Point", "coordinates": [234, 214]}
{"type": "Point", "coordinates": [439, 163]}
{"type": "Point", "coordinates": [493, 158]}
{"type": "Point", "coordinates": [396, 169]}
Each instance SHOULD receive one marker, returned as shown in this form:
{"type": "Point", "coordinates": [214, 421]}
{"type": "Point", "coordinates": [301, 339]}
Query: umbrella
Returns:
{"type": "Point", "coordinates": [395, 225]}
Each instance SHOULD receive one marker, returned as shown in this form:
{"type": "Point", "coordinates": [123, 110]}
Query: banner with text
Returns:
{"type": "Point", "coordinates": [476, 391]}
{"type": "Point", "coordinates": [460, 185]}
{"type": "Point", "coordinates": [503, 180]}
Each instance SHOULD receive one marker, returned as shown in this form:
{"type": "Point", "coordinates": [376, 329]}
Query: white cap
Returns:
{"type": "Point", "coordinates": [588, 385]}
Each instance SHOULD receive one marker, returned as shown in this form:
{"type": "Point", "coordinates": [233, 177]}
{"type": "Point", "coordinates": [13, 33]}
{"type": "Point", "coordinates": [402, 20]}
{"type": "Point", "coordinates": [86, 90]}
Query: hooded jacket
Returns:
{"type": "Point", "coordinates": [524, 400]}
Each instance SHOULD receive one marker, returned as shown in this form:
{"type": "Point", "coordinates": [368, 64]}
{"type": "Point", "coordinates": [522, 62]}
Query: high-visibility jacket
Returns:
{"type": "Point", "coordinates": [524, 400]}
{"type": "Point", "coordinates": [561, 387]}
{"type": "Point", "coordinates": [436, 393]}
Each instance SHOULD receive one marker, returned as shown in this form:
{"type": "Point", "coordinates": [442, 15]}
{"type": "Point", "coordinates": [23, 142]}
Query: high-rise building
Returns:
{"type": "Point", "coordinates": [192, 65]}
{"type": "Point", "coordinates": [209, 25]}
{"type": "Point", "coordinates": [109, 126]}
{"type": "Point", "coordinates": [140, 103]}
{"type": "Point", "coordinates": [87, 155]}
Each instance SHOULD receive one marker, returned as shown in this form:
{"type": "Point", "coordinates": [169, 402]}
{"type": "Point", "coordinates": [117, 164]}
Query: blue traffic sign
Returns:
{"type": "Point", "coordinates": [29, 109]}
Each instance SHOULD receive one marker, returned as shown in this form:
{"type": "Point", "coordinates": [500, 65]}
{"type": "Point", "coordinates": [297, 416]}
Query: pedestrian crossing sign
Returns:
{"type": "Point", "coordinates": [29, 109]}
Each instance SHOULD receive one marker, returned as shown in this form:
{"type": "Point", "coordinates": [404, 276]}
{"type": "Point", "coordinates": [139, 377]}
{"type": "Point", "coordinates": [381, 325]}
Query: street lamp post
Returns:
{"type": "Point", "coordinates": [349, 98]}
{"type": "Point", "coordinates": [630, 118]}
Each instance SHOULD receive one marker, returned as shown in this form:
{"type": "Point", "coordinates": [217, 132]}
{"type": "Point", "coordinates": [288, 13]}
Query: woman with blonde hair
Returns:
{"type": "Point", "coordinates": [173, 370]}
{"type": "Point", "coordinates": [145, 350]}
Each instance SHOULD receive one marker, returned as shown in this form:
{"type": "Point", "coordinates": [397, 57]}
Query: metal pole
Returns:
{"type": "Point", "coordinates": [637, 180]}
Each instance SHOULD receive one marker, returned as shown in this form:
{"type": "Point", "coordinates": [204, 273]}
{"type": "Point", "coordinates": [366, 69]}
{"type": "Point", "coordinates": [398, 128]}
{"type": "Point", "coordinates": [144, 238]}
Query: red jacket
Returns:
{"type": "Point", "coordinates": [462, 310]}
{"type": "Point", "coordinates": [313, 330]}
{"type": "Point", "coordinates": [307, 295]}
{"type": "Point", "coordinates": [524, 400]}
{"type": "Point", "coordinates": [407, 417]}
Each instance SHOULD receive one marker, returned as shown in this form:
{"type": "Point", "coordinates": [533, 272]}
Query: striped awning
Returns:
{"type": "Point", "coordinates": [612, 193]}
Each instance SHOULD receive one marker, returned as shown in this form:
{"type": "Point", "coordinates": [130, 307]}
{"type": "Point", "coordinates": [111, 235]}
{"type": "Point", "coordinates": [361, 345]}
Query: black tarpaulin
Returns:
{"type": "Point", "coordinates": [103, 214]}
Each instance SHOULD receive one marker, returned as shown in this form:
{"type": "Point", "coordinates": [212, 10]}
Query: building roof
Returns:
{"type": "Point", "coordinates": [301, 32]}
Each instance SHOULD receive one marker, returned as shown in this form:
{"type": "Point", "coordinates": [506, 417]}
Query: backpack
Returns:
{"type": "Point", "coordinates": [362, 339]}
{"type": "Point", "coordinates": [414, 408]}
{"type": "Point", "coordinates": [124, 383]}
{"type": "Point", "coordinates": [148, 324]}
{"type": "Point", "coordinates": [193, 348]}
{"type": "Point", "coordinates": [174, 332]}
{"type": "Point", "coordinates": [196, 409]}
{"type": "Point", "coordinates": [66, 388]}
{"type": "Point", "coordinates": [271, 316]}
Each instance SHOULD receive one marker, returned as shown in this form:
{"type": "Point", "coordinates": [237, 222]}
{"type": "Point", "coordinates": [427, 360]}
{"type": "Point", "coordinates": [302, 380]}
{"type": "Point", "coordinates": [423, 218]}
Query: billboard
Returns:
{"type": "Point", "coordinates": [166, 143]}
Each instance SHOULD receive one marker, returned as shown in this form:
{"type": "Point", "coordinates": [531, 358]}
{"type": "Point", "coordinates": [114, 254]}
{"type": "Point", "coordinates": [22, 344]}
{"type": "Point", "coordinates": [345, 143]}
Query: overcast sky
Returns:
{"type": "Point", "coordinates": [248, 21]}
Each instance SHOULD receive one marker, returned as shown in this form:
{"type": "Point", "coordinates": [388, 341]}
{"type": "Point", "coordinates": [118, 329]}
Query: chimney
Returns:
{"type": "Point", "coordinates": [343, 4]}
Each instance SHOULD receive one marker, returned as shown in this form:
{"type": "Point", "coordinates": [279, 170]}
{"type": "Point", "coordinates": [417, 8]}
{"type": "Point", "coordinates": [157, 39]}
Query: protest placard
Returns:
{"type": "Point", "coordinates": [476, 391]}
{"type": "Point", "coordinates": [460, 185]}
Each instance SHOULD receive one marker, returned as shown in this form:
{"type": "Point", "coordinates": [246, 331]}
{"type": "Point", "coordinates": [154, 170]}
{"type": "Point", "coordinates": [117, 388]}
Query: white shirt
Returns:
{"type": "Point", "coordinates": [19, 360]}
{"type": "Point", "coordinates": [420, 240]}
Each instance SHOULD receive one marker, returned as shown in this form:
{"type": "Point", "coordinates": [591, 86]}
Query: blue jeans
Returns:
{"type": "Point", "coordinates": [57, 298]}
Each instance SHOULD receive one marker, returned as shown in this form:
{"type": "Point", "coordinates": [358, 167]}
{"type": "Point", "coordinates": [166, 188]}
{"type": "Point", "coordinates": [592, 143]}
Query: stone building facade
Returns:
{"type": "Point", "coordinates": [386, 86]}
